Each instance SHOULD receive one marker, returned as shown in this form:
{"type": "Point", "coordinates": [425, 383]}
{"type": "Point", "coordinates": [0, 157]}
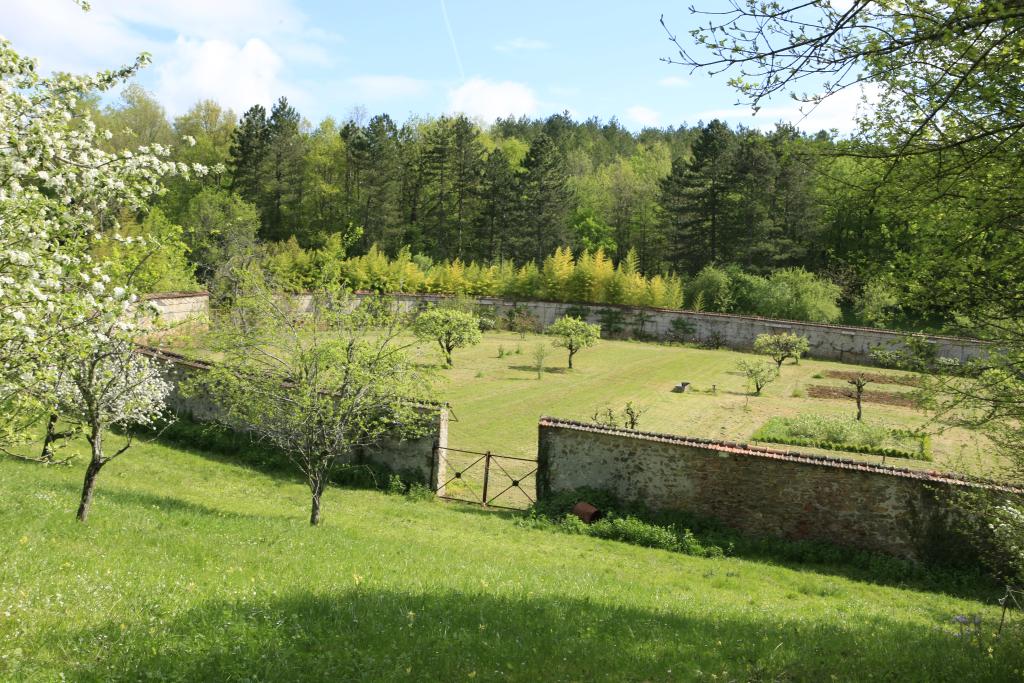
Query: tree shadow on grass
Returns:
{"type": "Point", "coordinates": [132, 498]}
{"type": "Point", "coordinates": [533, 369]}
{"type": "Point", "coordinates": [379, 634]}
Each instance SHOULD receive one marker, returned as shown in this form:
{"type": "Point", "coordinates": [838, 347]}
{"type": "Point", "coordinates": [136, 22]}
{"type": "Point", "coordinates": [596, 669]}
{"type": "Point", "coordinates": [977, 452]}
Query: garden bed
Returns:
{"type": "Point", "coordinates": [845, 434]}
{"type": "Point", "coordinates": [876, 377]}
{"type": "Point", "coordinates": [889, 398]}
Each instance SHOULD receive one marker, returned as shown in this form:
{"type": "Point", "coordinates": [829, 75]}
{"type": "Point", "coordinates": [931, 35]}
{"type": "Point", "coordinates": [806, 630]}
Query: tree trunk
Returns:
{"type": "Point", "coordinates": [51, 436]}
{"type": "Point", "coordinates": [571, 353]}
{"type": "Point", "coordinates": [314, 515]}
{"type": "Point", "coordinates": [96, 439]}
{"type": "Point", "coordinates": [860, 392]}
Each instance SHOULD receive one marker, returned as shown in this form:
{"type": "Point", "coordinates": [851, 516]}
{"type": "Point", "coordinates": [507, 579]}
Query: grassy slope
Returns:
{"type": "Point", "coordinates": [194, 569]}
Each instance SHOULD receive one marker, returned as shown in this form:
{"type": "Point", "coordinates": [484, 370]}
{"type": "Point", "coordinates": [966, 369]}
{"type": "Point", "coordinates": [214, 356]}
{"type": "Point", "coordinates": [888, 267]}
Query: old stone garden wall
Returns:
{"type": "Point", "coordinates": [179, 307]}
{"type": "Point", "coordinates": [755, 490]}
{"type": "Point", "coordinates": [416, 458]}
{"type": "Point", "coordinates": [830, 342]}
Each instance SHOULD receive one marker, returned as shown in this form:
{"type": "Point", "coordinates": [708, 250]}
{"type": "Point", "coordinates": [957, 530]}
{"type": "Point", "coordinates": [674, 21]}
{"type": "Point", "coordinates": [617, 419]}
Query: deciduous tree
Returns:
{"type": "Point", "coordinates": [319, 383]}
{"type": "Point", "coordinates": [780, 347]}
{"type": "Point", "coordinates": [573, 335]}
{"type": "Point", "coordinates": [450, 328]}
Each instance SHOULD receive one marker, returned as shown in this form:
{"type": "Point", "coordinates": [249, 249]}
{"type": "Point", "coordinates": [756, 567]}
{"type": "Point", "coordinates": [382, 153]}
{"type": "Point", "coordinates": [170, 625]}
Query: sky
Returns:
{"type": "Point", "coordinates": [600, 58]}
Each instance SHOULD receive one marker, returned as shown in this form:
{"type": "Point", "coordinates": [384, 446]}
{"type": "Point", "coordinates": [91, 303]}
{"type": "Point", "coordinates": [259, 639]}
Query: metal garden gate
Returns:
{"type": "Point", "coordinates": [488, 479]}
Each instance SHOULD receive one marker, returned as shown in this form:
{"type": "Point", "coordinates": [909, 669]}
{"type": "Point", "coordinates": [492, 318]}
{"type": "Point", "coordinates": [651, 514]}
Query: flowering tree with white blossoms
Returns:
{"type": "Point", "coordinates": [66, 335]}
{"type": "Point", "coordinates": [58, 190]}
{"type": "Point", "coordinates": [103, 386]}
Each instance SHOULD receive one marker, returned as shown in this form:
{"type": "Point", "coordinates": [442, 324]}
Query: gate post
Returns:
{"type": "Point", "coordinates": [438, 468]}
{"type": "Point", "coordinates": [487, 474]}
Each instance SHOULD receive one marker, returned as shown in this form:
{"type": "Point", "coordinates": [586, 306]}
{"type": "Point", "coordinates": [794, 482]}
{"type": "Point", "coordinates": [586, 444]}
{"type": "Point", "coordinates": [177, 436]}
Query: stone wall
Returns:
{"type": "Point", "coordinates": [758, 491]}
{"type": "Point", "coordinates": [415, 457]}
{"type": "Point", "coordinates": [830, 342]}
{"type": "Point", "coordinates": [179, 307]}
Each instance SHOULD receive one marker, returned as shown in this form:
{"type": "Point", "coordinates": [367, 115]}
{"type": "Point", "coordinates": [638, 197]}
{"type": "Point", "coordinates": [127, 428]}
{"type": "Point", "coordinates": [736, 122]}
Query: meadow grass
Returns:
{"type": "Point", "coordinates": [497, 400]}
{"type": "Point", "coordinates": [193, 568]}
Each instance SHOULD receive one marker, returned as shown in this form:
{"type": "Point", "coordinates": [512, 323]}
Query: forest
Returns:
{"type": "Point", "coordinates": [708, 216]}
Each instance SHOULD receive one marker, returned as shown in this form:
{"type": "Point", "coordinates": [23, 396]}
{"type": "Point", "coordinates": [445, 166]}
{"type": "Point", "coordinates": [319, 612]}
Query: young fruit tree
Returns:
{"type": "Point", "coordinates": [319, 383]}
{"type": "Point", "coordinates": [108, 385]}
{"type": "Point", "coordinates": [779, 347]}
{"type": "Point", "coordinates": [450, 328]}
{"type": "Point", "coordinates": [858, 383]}
{"type": "Point", "coordinates": [540, 353]}
{"type": "Point", "coordinates": [574, 334]}
{"type": "Point", "coordinates": [759, 374]}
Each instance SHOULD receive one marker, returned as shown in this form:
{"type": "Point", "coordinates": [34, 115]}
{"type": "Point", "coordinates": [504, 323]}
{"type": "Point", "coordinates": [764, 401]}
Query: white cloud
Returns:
{"type": "Point", "coordinates": [236, 76]}
{"type": "Point", "coordinates": [518, 44]}
{"type": "Point", "coordinates": [376, 88]}
{"type": "Point", "coordinates": [487, 100]}
{"type": "Point", "coordinates": [837, 112]}
{"type": "Point", "coordinates": [673, 82]}
{"type": "Point", "coordinates": [643, 116]}
{"type": "Point", "coordinates": [229, 50]}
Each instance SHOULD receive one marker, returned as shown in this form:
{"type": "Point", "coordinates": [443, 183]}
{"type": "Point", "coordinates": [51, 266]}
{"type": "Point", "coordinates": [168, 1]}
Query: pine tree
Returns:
{"type": "Point", "coordinates": [496, 217]}
{"type": "Point", "coordinates": [281, 171]}
{"type": "Point", "coordinates": [379, 203]}
{"type": "Point", "coordinates": [467, 162]}
{"type": "Point", "coordinates": [248, 148]}
{"type": "Point", "coordinates": [438, 170]}
{"type": "Point", "coordinates": [545, 201]}
{"type": "Point", "coordinates": [356, 160]}
{"type": "Point", "coordinates": [694, 200]}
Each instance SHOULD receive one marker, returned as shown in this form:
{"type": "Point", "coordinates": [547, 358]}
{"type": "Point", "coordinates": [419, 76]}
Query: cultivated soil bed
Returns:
{"type": "Point", "coordinates": [889, 398]}
{"type": "Point", "coordinates": [875, 377]}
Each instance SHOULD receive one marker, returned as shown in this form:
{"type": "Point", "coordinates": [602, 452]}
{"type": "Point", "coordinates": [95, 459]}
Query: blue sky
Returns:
{"type": "Point", "coordinates": [597, 58]}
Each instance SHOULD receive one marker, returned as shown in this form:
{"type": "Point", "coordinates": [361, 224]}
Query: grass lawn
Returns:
{"type": "Point", "coordinates": [496, 401]}
{"type": "Point", "coordinates": [192, 568]}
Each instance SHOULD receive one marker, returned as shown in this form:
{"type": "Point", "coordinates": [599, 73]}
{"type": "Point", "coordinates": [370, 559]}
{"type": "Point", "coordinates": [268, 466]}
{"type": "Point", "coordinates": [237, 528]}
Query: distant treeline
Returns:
{"type": "Point", "coordinates": [677, 200]}
{"type": "Point", "coordinates": [791, 293]}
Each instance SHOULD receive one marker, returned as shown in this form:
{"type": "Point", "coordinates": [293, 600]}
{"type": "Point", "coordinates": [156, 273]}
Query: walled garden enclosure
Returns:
{"type": "Point", "coordinates": [496, 398]}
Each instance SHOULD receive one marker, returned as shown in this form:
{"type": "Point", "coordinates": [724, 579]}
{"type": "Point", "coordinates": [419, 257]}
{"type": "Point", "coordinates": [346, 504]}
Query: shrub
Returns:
{"type": "Point", "coordinates": [681, 330]}
{"type": "Point", "coordinates": [419, 492]}
{"type": "Point", "coordinates": [712, 288]}
{"type": "Point", "coordinates": [796, 294]}
{"type": "Point", "coordinates": [577, 311]}
{"type": "Point", "coordinates": [704, 536]}
{"type": "Point", "coordinates": [396, 487]}
{"type": "Point", "coordinates": [636, 531]}
{"type": "Point", "coordinates": [487, 320]}
{"type": "Point", "coordinates": [713, 341]}
{"type": "Point", "coordinates": [613, 321]}
{"type": "Point", "coordinates": [521, 321]}
{"type": "Point", "coordinates": [540, 352]}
